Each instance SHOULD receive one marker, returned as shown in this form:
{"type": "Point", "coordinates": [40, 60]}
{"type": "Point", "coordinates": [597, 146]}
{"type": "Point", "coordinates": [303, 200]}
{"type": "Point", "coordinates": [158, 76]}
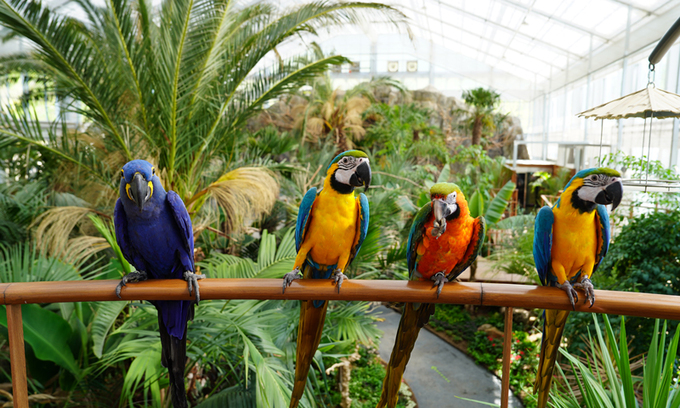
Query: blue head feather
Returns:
{"type": "Point", "coordinates": [142, 167]}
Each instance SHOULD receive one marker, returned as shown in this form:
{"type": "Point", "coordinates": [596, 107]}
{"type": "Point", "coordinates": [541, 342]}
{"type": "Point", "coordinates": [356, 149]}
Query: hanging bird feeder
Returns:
{"type": "Point", "coordinates": [648, 103]}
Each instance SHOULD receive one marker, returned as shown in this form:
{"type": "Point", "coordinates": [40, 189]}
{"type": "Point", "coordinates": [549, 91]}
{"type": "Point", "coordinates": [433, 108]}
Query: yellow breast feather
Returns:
{"type": "Point", "coordinates": [575, 239]}
{"type": "Point", "coordinates": [333, 229]}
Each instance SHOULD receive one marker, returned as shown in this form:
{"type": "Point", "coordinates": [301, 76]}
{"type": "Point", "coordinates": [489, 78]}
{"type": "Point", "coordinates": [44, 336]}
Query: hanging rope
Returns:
{"type": "Point", "coordinates": [644, 133]}
{"type": "Point", "coordinates": [649, 148]}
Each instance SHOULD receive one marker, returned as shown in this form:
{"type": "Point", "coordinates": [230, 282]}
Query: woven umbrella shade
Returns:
{"type": "Point", "coordinates": [645, 103]}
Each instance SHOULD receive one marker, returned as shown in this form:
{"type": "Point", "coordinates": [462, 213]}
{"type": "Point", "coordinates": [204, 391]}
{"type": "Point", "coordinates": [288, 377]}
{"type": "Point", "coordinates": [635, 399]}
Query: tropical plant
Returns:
{"type": "Point", "coordinates": [642, 258]}
{"type": "Point", "coordinates": [514, 253]}
{"type": "Point", "coordinates": [550, 184]}
{"type": "Point", "coordinates": [339, 115]}
{"type": "Point", "coordinates": [643, 169]}
{"type": "Point", "coordinates": [403, 130]}
{"type": "Point", "coordinates": [173, 84]}
{"type": "Point", "coordinates": [483, 103]}
{"type": "Point", "coordinates": [604, 378]}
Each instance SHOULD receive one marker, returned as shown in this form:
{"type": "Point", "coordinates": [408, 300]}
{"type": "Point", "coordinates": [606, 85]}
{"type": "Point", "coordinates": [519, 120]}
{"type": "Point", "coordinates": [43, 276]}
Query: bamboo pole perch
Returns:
{"type": "Point", "coordinates": [473, 293]}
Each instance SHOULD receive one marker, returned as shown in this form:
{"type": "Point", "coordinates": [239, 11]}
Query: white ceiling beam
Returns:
{"type": "Point", "coordinates": [511, 30]}
{"type": "Point", "coordinates": [556, 19]}
{"type": "Point", "coordinates": [477, 35]}
{"type": "Point", "coordinates": [641, 37]}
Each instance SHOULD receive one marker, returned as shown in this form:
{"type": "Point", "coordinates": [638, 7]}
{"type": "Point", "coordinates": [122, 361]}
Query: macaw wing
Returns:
{"type": "Point", "coordinates": [304, 215]}
{"type": "Point", "coordinates": [603, 234]}
{"type": "Point", "coordinates": [181, 216]}
{"type": "Point", "coordinates": [473, 249]}
{"type": "Point", "coordinates": [120, 224]}
{"type": "Point", "coordinates": [543, 242]}
{"type": "Point", "coordinates": [362, 226]}
{"type": "Point", "coordinates": [415, 237]}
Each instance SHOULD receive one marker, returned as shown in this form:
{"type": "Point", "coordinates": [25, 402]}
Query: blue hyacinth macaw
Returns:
{"type": "Point", "coordinates": [570, 241]}
{"type": "Point", "coordinates": [153, 230]}
{"type": "Point", "coordinates": [331, 226]}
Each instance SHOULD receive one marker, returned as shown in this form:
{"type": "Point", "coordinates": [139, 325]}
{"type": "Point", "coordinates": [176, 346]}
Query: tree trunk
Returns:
{"type": "Point", "coordinates": [477, 130]}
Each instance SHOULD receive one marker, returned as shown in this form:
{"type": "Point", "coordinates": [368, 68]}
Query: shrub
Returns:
{"type": "Point", "coordinates": [644, 257]}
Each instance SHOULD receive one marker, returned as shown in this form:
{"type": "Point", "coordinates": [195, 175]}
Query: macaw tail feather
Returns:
{"type": "Point", "coordinates": [309, 336]}
{"type": "Point", "coordinates": [173, 357]}
{"type": "Point", "coordinates": [552, 335]}
{"type": "Point", "coordinates": [413, 318]}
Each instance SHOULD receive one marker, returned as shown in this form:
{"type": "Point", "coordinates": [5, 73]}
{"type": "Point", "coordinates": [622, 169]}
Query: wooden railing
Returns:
{"type": "Point", "coordinates": [488, 294]}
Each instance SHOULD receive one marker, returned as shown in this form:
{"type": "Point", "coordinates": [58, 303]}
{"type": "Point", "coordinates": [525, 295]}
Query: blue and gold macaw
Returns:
{"type": "Point", "coordinates": [331, 226]}
{"type": "Point", "coordinates": [570, 240]}
{"type": "Point", "coordinates": [444, 241]}
{"type": "Point", "coordinates": [153, 230]}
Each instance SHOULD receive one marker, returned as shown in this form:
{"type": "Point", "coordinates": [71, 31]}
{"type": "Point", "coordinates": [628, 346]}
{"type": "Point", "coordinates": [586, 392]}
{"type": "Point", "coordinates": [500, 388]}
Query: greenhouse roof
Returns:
{"type": "Point", "coordinates": [519, 47]}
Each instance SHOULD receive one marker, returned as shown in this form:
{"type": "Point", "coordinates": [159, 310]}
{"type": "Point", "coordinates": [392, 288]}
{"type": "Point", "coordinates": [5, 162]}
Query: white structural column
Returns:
{"type": "Point", "coordinates": [624, 77]}
{"type": "Point", "coordinates": [676, 124]}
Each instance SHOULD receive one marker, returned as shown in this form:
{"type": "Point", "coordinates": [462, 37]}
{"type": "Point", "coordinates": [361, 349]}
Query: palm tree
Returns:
{"type": "Point", "coordinates": [483, 102]}
{"type": "Point", "coordinates": [337, 115]}
{"type": "Point", "coordinates": [173, 84]}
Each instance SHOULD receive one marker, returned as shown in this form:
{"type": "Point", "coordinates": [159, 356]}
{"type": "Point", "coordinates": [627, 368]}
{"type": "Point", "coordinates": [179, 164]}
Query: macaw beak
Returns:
{"type": "Point", "coordinates": [361, 176]}
{"type": "Point", "coordinates": [441, 211]}
{"type": "Point", "coordinates": [139, 190]}
{"type": "Point", "coordinates": [612, 194]}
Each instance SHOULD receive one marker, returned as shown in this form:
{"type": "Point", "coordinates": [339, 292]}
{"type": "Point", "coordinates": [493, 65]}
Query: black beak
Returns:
{"type": "Point", "coordinates": [361, 176]}
{"type": "Point", "coordinates": [612, 194]}
{"type": "Point", "coordinates": [139, 190]}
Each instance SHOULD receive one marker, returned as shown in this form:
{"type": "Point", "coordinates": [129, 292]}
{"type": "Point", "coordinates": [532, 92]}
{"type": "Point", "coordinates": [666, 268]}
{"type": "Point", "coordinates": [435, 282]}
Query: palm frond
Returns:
{"type": "Point", "coordinates": [54, 227]}
{"type": "Point", "coordinates": [241, 193]}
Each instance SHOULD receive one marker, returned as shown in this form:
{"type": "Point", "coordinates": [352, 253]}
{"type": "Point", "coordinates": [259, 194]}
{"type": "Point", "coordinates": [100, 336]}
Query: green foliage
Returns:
{"type": "Point", "coordinates": [604, 378]}
{"type": "Point", "coordinates": [476, 171]}
{"type": "Point", "coordinates": [403, 130]}
{"type": "Point", "coordinates": [20, 203]}
{"type": "Point", "coordinates": [548, 184]}
{"type": "Point", "coordinates": [514, 254]}
{"type": "Point", "coordinates": [637, 168]}
{"type": "Point", "coordinates": [643, 257]}
{"type": "Point", "coordinates": [48, 334]}
{"type": "Point", "coordinates": [482, 99]}
{"type": "Point", "coordinates": [366, 381]}
{"type": "Point", "coordinates": [493, 210]}
{"type": "Point", "coordinates": [486, 350]}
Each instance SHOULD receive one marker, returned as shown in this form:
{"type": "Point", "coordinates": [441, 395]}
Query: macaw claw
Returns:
{"type": "Point", "coordinates": [439, 279]}
{"type": "Point", "coordinates": [588, 288]}
{"type": "Point", "coordinates": [571, 293]}
{"type": "Point", "coordinates": [338, 278]}
{"type": "Point", "coordinates": [132, 277]}
{"type": "Point", "coordinates": [290, 277]}
{"type": "Point", "coordinates": [438, 229]}
{"type": "Point", "coordinates": [192, 283]}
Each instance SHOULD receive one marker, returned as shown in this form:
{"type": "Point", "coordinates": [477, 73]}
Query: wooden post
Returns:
{"type": "Point", "coordinates": [507, 358]}
{"type": "Point", "coordinates": [15, 328]}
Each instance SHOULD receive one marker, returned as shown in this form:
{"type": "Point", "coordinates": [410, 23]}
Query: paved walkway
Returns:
{"type": "Point", "coordinates": [456, 375]}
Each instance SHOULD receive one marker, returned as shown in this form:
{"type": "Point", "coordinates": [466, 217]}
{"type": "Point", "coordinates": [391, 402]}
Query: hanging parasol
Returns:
{"type": "Point", "coordinates": [645, 103]}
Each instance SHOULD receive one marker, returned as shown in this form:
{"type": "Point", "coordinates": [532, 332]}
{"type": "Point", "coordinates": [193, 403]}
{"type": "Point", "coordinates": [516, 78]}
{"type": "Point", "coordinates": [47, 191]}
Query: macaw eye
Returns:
{"type": "Point", "coordinates": [122, 173]}
{"type": "Point", "coordinates": [153, 171]}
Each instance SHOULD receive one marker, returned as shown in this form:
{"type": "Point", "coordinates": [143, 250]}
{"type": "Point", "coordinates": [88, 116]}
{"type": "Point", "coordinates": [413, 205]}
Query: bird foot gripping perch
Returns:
{"type": "Point", "coordinates": [438, 280]}
{"type": "Point", "coordinates": [132, 277]}
{"type": "Point", "coordinates": [192, 283]}
{"type": "Point", "coordinates": [571, 293]}
{"type": "Point", "coordinates": [339, 277]}
{"type": "Point", "coordinates": [290, 277]}
{"type": "Point", "coordinates": [589, 290]}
